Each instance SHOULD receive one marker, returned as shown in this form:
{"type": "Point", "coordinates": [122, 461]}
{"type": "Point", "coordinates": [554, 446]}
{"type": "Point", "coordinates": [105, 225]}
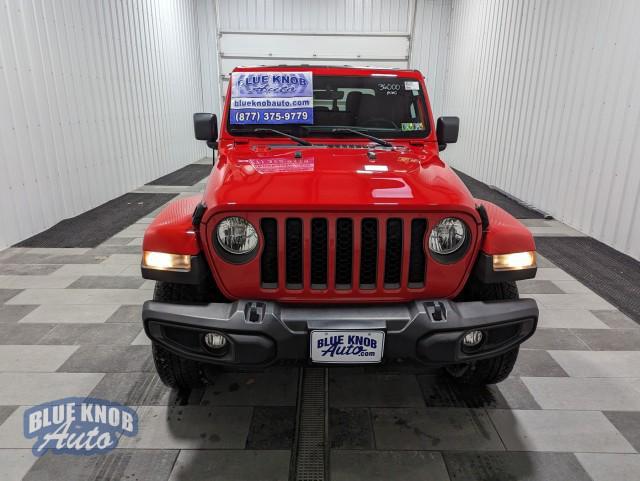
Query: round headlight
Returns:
{"type": "Point", "coordinates": [236, 235]}
{"type": "Point", "coordinates": [447, 236]}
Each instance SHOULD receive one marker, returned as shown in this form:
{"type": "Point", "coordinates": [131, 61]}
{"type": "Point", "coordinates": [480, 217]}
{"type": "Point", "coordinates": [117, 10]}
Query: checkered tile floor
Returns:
{"type": "Point", "coordinates": [70, 326]}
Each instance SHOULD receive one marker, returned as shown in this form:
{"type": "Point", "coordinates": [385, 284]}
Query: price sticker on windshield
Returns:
{"type": "Point", "coordinates": [271, 98]}
{"type": "Point", "coordinates": [411, 85]}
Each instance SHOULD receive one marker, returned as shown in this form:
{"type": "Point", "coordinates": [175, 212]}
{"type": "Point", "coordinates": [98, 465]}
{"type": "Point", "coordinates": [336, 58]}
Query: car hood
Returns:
{"type": "Point", "coordinates": [343, 177]}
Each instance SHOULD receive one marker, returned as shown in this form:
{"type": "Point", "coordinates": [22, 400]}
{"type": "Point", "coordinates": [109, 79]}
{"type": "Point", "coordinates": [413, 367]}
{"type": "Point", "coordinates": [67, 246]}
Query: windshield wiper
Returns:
{"type": "Point", "coordinates": [362, 134]}
{"type": "Point", "coordinates": [284, 134]}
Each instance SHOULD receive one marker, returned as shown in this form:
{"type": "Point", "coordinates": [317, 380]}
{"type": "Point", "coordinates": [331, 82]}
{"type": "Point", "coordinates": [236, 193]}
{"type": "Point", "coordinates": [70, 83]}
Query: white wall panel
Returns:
{"type": "Point", "coordinates": [321, 47]}
{"type": "Point", "coordinates": [208, 36]}
{"type": "Point", "coordinates": [96, 98]}
{"type": "Point", "coordinates": [382, 50]}
{"type": "Point", "coordinates": [317, 16]}
{"type": "Point", "coordinates": [549, 98]}
{"type": "Point", "coordinates": [430, 47]}
{"type": "Point", "coordinates": [332, 32]}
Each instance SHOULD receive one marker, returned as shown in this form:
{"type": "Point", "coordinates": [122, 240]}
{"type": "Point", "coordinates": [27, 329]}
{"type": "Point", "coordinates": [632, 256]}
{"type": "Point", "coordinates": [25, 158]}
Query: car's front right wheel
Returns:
{"type": "Point", "coordinates": [176, 372]}
{"type": "Point", "coordinates": [494, 369]}
{"type": "Point", "coordinates": [173, 370]}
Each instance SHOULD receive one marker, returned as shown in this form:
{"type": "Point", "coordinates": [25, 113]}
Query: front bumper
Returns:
{"type": "Point", "coordinates": [263, 333]}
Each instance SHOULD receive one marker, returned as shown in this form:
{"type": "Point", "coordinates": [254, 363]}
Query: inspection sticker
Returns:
{"type": "Point", "coordinates": [271, 98]}
{"type": "Point", "coordinates": [411, 85]}
{"type": "Point", "coordinates": [411, 126]}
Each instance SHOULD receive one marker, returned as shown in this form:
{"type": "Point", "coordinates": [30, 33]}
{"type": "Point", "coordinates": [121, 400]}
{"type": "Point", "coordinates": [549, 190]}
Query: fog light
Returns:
{"type": "Point", "coordinates": [214, 340]}
{"type": "Point", "coordinates": [472, 338]}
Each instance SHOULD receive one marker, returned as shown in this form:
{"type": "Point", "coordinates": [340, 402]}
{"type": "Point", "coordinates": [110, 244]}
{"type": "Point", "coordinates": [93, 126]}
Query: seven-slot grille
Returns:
{"type": "Point", "coordinates": [343, 253]}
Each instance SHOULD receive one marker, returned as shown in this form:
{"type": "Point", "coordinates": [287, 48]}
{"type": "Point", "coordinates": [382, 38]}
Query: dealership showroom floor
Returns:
{"type": "Point", "coordinates": [321, 153]}
{"type": "Point", "coordinates": [70, 326]}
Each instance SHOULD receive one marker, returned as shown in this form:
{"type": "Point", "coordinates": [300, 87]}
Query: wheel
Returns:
{"type": "Point", "coordinates": [493, 369]}
{"type": "Point", "coordinates": [174, 371]}
{"type": "Point", "coordinates": [179, 293]}
{"type": "Point", "coordinates": [477, 291]}
{"type": "Point", "coordinates": [486, 371]}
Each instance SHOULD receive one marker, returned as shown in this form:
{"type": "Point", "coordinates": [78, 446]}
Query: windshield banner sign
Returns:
{"type": "Point", "coordinates": [271, 98]}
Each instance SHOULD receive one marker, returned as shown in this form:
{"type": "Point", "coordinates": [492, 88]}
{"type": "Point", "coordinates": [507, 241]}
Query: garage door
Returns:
{"type": "Point", "coordinates": [377, 34]}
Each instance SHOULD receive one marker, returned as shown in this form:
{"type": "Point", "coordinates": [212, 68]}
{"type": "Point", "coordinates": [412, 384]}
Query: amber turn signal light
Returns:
{"type": "Point", "coordinates": [514, 262]}
{"type": "Point", "coordinates": [163, 261]}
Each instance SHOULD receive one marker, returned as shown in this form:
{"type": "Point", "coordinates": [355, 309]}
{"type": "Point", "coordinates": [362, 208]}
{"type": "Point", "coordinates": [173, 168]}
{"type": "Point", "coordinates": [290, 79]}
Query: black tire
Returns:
{"type": "Point", "coordinates": [179, 293]}
{"type": "Point", "coordinates": [174, 371]}
{"type": "Point", "coordinates": [477, 291]}
{"type": "Point", "coordinates": [485, 371]}
{"type": "Point", "coordinates": [494, 369]}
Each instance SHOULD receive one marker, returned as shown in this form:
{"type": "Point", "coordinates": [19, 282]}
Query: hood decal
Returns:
{"type": "Point", "coordinates": [276, 165]}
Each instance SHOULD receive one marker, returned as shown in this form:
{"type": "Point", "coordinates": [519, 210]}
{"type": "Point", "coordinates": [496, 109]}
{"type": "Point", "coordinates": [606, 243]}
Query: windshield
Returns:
{"type": "Point", "coordinates": [383, 106]}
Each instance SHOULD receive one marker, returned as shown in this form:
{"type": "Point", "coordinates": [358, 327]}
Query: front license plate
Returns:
{"type": "Point", "coordinates": [348, 347]}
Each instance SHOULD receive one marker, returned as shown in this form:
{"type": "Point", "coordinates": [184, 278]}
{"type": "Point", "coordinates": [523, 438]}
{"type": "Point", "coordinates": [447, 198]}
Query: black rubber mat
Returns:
{"type": "Point", "coordinates": [188, 175]}
{"type": "Point", "coordinates": [610, 274]}
{"type": "Point", "coordinates": [480, 190]}
{"type": "Point", "coordinates": [96, 225]}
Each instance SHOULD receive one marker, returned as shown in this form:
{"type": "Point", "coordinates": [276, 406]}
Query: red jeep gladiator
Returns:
{"type": "Point", "coordinates": [331, 232]}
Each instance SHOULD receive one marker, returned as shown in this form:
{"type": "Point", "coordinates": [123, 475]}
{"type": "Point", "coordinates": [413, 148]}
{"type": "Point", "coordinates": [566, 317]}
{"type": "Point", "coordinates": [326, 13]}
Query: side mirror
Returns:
{"type": "Point", "coordinates": [447, 131]}
{"type": "Point", "coordinates": [206, 128]}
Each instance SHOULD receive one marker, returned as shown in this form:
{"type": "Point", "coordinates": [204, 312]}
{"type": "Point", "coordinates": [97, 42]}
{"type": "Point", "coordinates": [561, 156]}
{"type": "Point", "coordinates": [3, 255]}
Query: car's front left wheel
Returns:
{"type": "Point", "coordinates": [486, 371]}
{"type": "Point", "coordinates": [494, 369]}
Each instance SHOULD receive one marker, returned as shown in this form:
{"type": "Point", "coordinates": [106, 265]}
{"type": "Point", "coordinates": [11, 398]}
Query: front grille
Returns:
{"type": "Point", "coordinates": [369, 253]}
{"type": "Point", "coordinates": [294, 253]}
{"type": "Point", "coordinates": [343, 253]}
{"type": "Point", "coordinates": [269, 260]}
{"type": "Point", "coordinates": [319, 253]}
{"type": "Point", "coordinates": [393, 259]}
{"type": "Point", "coordinates": [416, 255]}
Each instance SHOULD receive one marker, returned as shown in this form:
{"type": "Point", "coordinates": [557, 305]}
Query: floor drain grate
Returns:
{"type": "Point", "coordinates": [310, 455]}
